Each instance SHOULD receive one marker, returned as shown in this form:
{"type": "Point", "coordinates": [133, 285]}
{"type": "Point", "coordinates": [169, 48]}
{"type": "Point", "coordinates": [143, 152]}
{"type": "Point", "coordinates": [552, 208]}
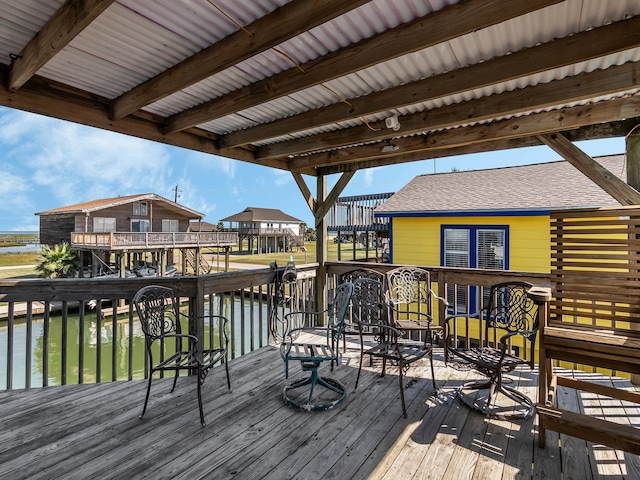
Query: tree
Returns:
{"type": "Point", "coordinates": [58, 261]}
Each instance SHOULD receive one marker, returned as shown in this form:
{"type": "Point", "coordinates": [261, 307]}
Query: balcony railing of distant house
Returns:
{"type": "Point", "coordinates": [56, 332]}
{"type": "Point", "coordinates": [146, 240]}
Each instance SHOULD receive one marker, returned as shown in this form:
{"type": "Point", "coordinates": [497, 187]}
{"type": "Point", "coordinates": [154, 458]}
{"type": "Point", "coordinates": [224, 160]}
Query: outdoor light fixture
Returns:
{"type": "Point", "coordinates": [390, 147]}
{"type": "Point", "coordinates": [393, 123]}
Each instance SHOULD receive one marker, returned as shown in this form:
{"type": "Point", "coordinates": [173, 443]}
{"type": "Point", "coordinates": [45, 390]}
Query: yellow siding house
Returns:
{"type": "Point", "coordinates": [495, 218]}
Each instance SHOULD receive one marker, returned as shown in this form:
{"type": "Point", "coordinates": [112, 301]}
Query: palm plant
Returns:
{"type": "Point", "coordinates": [58, 261]}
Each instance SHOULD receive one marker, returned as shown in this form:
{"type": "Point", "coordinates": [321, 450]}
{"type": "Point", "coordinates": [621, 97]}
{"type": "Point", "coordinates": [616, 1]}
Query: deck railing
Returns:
{"type": "Point", "coordinates": [56, 332]}
{"type": "Point", "coordinates": [114, 240]}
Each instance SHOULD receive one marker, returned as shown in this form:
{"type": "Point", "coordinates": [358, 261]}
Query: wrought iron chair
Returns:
{"type": "Point", "coordinates": [312, 354]}
{"type": "Point", "coordinates": [351, 326]}
{"type": "Point", "coordinates": [159, 313]}
{"type": "Point", "coordinates": [391, 344]}
{"type": "Point", "coordinates": [409, 299]}
{"type": "Point", "coordinates": [507, 331]}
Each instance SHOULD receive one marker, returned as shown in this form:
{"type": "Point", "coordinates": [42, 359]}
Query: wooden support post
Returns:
{"type": "Point", "coordinates": [197, 261]}
{"type": "Point", "coordinates": [633, 179]}
{"type": "Point", "coordinates": [123, 264]}
{"type": "Point", "coordinates": [321, 245]}
{"type": "Point", "coordinates": [163, 263]}
{"type": "Point", "coordinates": [633, 157]}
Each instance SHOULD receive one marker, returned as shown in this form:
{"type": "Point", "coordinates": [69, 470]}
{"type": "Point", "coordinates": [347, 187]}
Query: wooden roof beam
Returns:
{"type": "Point", "coordinates": [274, 28]}
{"type": "Point", "coordinates": [610, 183]}
{"type": "Point", "coordinates": [529, 125]}
{"type": "Point", "coordinates": [49, 98]}
{"type": "Point", "coordinates": [70, 19]}
{"type": "Point", "coordinates": [437, 27]}
{"type": "Point", "coordinates": [582, 87]}
{"type": "Point", "coordinates": [608, 130]}
{"type": "Point", "coordinates": [570, 50]}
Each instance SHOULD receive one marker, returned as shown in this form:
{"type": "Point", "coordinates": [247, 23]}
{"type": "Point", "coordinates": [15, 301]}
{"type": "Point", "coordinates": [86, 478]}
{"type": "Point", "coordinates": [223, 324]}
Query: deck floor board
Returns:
{"type": "Point", "coordinates": [93, 431]}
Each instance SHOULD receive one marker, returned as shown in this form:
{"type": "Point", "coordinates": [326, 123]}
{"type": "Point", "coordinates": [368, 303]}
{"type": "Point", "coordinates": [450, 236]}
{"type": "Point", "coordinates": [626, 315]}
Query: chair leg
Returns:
{"type": "Point", "coordinates": [200, 381]}
{"type": "Point", "coordinates": [226, 366]}
{"type": "Point", "coordinates": [359, 368]}
{"type": "Point", "coordinates": [433, 373]}
{"type": "Point", "coordinates": [175, 380]}
{"type": "Point", "coordinates": [146, 398]}
{"type": "Point", "coordinates": [400, 378]}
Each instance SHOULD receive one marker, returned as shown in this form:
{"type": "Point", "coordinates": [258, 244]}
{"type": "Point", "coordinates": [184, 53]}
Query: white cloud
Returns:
{"type": "Point", "coordinates": [14, 190]}
{"type": "Point", "coordinates": [81, 163]}
{"type": "Point", "coordinates": [214, 163]}
{"type": "Point", "coordinates": [281, 178]}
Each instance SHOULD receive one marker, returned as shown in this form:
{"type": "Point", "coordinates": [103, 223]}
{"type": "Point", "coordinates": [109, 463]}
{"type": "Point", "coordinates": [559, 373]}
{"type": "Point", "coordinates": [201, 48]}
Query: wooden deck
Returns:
{"type": "Point", "coordinates": [93, 431]}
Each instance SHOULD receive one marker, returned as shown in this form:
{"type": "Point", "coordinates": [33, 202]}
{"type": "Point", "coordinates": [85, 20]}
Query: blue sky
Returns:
{"type": "Point", "coordinates": [47, 163]}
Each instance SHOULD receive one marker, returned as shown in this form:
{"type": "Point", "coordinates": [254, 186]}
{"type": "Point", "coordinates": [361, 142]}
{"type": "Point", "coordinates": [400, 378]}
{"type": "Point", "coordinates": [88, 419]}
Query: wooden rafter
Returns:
{"type": "Point", "coordinates": [70, 19]}
{"type": "Point", "coordinates": [322, 208]}
{"type": "Point", "coordinates": [46, 97]}
{"type": "Point", "coordinates": [274, 28]}
{"type": "Point", "coordinates": [304, 189]}
{"type": "Point", "coordinates": [590, 132]}
{"type": "Point", "coordinates": [610, 183]}
{"type": "Point", "coordinates": [435, 28]}
{"type": "Point", "coordinates": [555, 54]}
{"type": "Point", "coordinates": [517, 127]}
{"type": "Point", "coordinates": [582, 87]}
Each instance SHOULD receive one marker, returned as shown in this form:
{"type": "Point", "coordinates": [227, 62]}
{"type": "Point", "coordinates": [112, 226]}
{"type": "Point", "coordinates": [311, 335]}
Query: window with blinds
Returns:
{"type": "Point", "coordinates": [467, 246]}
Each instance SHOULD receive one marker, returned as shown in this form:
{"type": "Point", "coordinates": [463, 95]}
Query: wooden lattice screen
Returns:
{"type": "Point", "coordinates": [594, 319]}
{"type": "Point", "coordinates": [595, 271]}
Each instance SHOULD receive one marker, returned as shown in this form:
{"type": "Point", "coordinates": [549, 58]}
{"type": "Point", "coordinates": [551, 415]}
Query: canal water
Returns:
{"type": "Point", "coordinates": [111, 338]}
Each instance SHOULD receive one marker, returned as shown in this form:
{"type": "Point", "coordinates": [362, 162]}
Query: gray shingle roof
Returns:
{"type": "Point", "coordinates": [543, 186]}
{"type": "Point", "coordinates": [253, 214]}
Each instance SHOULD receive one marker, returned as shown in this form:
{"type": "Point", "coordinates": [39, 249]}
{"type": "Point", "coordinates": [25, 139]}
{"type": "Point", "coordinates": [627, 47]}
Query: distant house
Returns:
{"type": "Point", "coordinates": [133, 227]}
{"type": "Point", "coordinates": [198, 226]}
{"type": "Point", "coordinates": [495, 219]}
{"type": "Point", "coordinates": [266, 230]}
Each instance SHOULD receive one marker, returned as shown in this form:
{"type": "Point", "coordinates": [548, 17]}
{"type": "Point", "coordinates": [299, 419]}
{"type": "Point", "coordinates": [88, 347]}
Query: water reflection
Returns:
{"type": "Point", "coordinates": [116, 341]}
{"type": "Point", "coordinates": [32, 247]}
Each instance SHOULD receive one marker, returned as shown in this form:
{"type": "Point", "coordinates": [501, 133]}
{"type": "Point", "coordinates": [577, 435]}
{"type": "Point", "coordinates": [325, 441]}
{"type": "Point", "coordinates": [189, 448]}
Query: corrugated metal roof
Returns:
{"type": "Point", "coordinates": [133, 41]}
{"type": "Point", "coordinates": [513, 35]}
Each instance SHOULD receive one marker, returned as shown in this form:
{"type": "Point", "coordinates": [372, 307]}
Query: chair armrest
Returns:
{"type": "Point", "coordinates": [193, 340]}
{"type": "Point", "coordinates": [418, 317]}
{"type": "Point", "coordinates": [382, 326]}
{"type": "Point", "coordinates": [450, 331]}
{"type": "Point", "coordinates": [443, 300]}
{"type": "Point", "coordinates": [525, 333]}
{"type": "Point", "coordinates": [292, 329]}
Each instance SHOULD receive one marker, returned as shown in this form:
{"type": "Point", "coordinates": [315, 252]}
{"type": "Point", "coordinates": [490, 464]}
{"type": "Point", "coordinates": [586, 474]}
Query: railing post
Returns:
{"type": "Point", "coordinates": [196, 314]}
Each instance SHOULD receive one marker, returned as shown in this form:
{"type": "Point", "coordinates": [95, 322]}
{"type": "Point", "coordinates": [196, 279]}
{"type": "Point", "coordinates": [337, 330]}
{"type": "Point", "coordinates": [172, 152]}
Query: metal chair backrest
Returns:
{"type": "Point", "coordinates": [339, 307]}
{"type": "Point", "coordinates": [158, 311]}
{"type": "Point", "coordinates": [511, 309]}
{"type": "Point", "coordinates": [409, 290]}
{"type": "Point", "coordinates": [352, 275]}
{"type": "Point", "coordinates": [368, 301]}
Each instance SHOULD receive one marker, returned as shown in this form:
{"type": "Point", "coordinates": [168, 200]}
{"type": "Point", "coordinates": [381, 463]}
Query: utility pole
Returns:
{"type": "Point", "coordinates": [177, 193]}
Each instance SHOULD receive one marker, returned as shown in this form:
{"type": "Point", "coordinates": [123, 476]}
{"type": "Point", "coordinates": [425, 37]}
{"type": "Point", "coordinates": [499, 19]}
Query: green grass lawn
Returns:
{"type": "Point", "coordinates": [299, 257]}
{"type": "Point", "coordinates": [17, 259]}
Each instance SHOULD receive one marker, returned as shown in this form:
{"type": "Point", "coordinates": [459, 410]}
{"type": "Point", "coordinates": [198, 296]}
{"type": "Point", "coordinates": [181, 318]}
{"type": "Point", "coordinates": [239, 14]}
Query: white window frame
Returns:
{"type": "Point", "coordinates": [104, 224]}
{"type": "Point", "coordinates": [170, 225]}
{"type": "Point", "coordinates": [140, 222]}
{"type": "Point", "coordinates": [140, 208]}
